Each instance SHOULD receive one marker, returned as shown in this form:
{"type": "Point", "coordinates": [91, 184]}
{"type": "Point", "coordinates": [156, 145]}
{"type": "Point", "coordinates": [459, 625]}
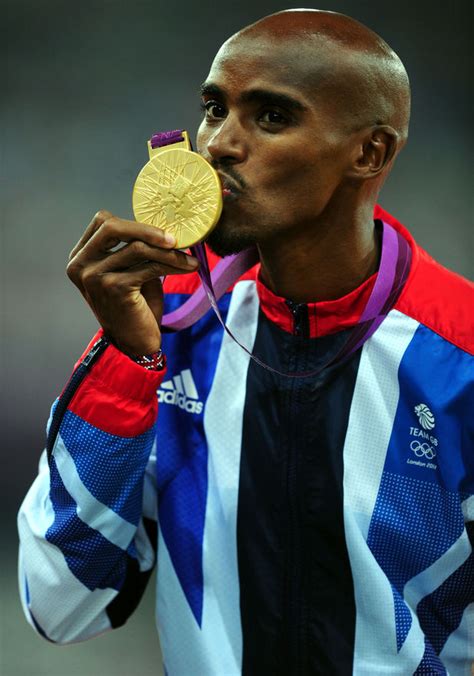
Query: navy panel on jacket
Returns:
{"type": "Point", "coordinates": [293, 561]}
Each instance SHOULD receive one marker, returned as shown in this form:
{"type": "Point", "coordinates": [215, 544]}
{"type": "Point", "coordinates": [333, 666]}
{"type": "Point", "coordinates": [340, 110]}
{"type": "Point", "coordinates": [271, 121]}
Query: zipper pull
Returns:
{"type": "Point", "coordinates": [97, 349]}
{"type": "Point", "coordinates": [300, 318]}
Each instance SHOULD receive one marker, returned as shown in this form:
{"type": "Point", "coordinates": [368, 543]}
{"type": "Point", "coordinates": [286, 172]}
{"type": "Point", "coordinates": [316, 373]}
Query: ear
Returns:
{"type": "Point", "coordinates": [375, 150]}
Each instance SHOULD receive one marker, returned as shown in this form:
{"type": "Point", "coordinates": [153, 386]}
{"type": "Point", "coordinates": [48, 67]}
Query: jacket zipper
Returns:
{"type": "Point", "coordinates": [294, 567]}
{"type": "Point", "coordinates": [300, 318]}
{"type": "Point", "coordinates": [69, 391]}
{"type": "Point", "coordinates": [294, 581]}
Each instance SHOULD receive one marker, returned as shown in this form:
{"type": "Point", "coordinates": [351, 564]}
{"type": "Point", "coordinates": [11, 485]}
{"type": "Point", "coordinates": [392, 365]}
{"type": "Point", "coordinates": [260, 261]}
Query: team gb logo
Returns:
{"type": "Point", "coordinates": [426, 418]}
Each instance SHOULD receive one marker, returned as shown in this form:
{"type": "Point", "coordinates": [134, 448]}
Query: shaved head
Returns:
{"type": "Point", "coordinates": [337, 56]}
{"type": "Point", "coordinates": [304, 114]}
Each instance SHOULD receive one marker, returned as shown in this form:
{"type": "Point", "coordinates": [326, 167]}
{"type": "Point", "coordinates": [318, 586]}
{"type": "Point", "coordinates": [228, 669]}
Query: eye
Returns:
{"type": "Point", "coordinates": [213, 110]}
{"type": "Point", "coordinates": [273, 118]}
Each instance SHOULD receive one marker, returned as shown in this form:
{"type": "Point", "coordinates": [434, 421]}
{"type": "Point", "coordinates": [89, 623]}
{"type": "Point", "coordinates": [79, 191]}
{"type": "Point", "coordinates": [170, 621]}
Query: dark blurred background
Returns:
{"type": "Point", "coordinates": [85, 85]}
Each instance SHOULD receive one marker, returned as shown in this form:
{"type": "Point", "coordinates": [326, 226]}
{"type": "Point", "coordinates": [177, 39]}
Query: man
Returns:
{"type": "Point", "coordinates": [306, 525]}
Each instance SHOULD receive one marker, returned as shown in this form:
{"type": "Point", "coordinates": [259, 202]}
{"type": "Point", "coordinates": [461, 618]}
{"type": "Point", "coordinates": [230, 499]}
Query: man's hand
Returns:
{"type": "Point", "coordinates": [123, 287]}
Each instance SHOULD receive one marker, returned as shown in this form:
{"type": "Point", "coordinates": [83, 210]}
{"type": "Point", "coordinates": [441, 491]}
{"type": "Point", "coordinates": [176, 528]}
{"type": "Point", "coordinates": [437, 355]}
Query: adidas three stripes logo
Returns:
{"type": "Point", "coordinates": [181, 391]}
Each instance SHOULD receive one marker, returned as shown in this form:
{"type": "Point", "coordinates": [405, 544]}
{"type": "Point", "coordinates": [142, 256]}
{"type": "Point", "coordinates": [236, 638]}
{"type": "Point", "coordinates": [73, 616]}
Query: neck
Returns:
{"type": "Point", "coordinates": [323, 263]}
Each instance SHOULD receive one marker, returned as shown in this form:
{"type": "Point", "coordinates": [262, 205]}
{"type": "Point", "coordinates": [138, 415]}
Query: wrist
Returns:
{"type": "Point", "coordinates": [151, 360]}
{"type": "Point", "coordinates": [137, 349]}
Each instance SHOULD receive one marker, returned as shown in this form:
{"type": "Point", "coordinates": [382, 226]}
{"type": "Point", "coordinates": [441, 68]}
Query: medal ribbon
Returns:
{"type": "Point", "coordinates": [393, 271]}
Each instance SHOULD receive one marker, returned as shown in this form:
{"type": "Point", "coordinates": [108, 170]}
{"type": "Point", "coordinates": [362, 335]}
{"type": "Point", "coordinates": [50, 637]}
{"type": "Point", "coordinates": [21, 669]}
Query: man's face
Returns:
{"type": "Point", "coordinates": [277, 138]}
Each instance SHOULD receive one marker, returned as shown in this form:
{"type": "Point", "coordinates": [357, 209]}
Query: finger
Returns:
{"type": "Point", "coordinates": [123, 283]}
{"type": "Point", "coordinates": [127, 259]}
{"type": "Point", "coordinates": [152, 292]}
{"type": "Point", "coordinates": [145, 272]}
{"type": "Point", "coordinates": [137, 252]}
{"type": "Point", "coordinates": [93, 226]}
{"type": "Point", "coordinates": [114, 230]}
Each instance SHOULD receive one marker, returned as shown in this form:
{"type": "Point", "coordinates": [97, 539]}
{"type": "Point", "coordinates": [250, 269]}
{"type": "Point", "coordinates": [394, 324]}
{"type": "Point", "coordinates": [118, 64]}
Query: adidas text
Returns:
{"type": "Point", "coordinates": [181, 391]}
{"type": "Point", "coordinates": [180, 400]}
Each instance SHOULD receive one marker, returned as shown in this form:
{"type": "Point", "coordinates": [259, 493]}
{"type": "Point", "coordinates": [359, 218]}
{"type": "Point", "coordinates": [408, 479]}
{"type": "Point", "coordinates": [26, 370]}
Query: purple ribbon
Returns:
{"type": "Point", "coordinates": [393, 272]}
{"type": "Point", "coordinates": [166, 138]}
{"type": "Point", "coordinates": [214, 285]}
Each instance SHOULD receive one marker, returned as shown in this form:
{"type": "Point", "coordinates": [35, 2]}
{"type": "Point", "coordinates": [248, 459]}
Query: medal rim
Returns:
{"type": "Point", "coordinates": [183, 242]}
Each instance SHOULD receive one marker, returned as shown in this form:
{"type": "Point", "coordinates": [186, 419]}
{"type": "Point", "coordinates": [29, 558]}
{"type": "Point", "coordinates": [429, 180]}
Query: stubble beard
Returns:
{"type": "Point", "coordinates": [228, 238]}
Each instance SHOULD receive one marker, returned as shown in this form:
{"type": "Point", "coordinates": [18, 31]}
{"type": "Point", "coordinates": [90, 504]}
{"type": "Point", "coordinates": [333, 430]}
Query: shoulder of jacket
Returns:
{"type": "Point", "coordinates": [438, 298]}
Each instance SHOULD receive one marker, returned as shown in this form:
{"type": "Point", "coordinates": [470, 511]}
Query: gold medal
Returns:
{"type": "Point", "coordinates": [178, 192]}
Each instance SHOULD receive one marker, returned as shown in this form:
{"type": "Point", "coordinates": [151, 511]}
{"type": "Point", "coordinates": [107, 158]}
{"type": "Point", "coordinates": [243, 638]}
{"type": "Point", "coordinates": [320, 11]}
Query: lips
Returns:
{"type": "Point", "coordinates": [229, 187]}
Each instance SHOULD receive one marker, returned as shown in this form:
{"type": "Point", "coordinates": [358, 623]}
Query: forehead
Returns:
{"type": "Point", "coordinates": [298, 69]}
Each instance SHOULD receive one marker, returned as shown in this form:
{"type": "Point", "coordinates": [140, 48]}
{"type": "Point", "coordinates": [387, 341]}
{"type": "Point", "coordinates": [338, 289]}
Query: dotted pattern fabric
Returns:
{"type": "Point", "coordinates": [440, 613]}
{"type": "Point", "coordinates": [413, 524]}
{"type": "Point", "coordinates": [111, 467]}
{"type": "Point", "coordinates": [81, 544]}
{"type": "Point", "coordinates": [402, 617]}
{"type": "Point", "coordinates": [430, 665]}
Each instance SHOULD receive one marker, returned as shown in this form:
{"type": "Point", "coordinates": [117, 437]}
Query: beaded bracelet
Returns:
{"type": "Point", "coordinates": [151, 362]}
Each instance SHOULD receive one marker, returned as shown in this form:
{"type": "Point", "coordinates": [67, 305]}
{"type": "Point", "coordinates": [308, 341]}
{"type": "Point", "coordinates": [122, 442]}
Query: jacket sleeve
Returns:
{"type": "Point", "coordinates": [88, 523]}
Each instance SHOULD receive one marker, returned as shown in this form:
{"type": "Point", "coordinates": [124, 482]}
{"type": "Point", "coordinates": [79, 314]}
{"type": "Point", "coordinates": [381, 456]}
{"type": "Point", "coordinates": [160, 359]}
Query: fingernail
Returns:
{"type": "Point", "coordinates": [193, 262]}
{"type": "Point", "coordinates": [169, 239]}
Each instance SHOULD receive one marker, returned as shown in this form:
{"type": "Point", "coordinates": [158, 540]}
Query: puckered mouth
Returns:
{"type": "Point", "coordinates": [229, 186]}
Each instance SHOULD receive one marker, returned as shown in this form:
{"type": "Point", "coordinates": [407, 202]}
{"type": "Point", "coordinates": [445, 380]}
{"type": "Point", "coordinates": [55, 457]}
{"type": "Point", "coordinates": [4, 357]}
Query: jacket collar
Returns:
{"type": "Point", "coordinates": [324, 317]}
{"type": "Point", "coordinates": [331, 316]}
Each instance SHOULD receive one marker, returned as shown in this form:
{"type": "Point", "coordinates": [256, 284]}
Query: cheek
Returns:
{"type": "Point", "coordinates": [290, 177]}
{"type": "Point", "coordinates": [319, 173]}
{"type": "Point", "coordinates": [298, 191]}
{"type": "Point", "coordinates": [278, 171]}
{"type": "Point", "coordinates": [201, 138]}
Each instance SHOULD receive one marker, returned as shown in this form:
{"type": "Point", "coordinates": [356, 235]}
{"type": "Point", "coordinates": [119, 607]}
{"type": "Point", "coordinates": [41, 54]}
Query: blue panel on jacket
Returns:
{"type": "Point", "coordinates": [181, 445]}
{"type": "Point", "coordinates": [428, 470]}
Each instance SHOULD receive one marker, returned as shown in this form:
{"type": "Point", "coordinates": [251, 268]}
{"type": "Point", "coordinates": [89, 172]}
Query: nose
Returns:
{"type": "Point", "coordinates": [225, 144]}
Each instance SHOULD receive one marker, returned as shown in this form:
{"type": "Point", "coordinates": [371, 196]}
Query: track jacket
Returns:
{"type": "Point", "coordinates": [320, 525]}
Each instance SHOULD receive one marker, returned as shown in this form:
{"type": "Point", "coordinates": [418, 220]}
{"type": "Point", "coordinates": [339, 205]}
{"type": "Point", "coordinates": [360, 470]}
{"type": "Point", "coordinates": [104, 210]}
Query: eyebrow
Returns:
{"type": "Point", "coordinates": [262, 96]}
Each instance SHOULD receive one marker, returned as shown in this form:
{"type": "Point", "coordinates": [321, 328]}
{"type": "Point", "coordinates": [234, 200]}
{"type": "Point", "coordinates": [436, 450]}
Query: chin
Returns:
{"type": "Point", "coordinates": [225, 243]}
